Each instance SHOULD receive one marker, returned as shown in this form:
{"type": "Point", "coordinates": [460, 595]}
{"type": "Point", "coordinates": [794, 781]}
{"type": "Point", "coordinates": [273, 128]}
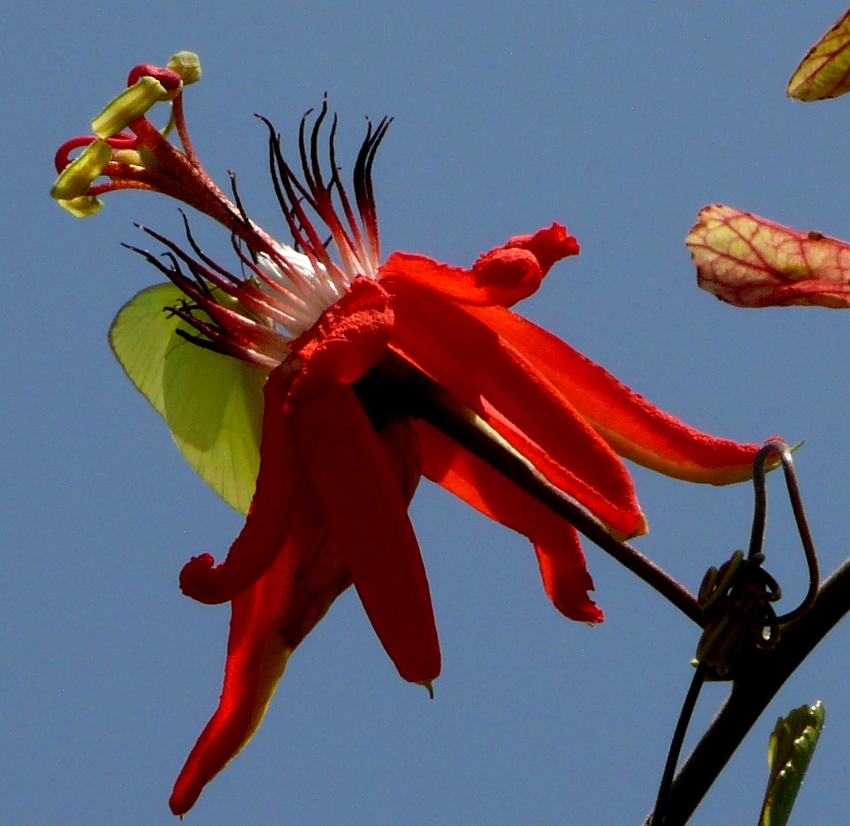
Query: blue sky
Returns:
{"type": "Point", "coordinates": [621, 120]}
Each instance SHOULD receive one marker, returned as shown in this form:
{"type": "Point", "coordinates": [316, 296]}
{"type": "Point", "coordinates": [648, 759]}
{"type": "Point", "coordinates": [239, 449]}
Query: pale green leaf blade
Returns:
{"type": "Point", "coordinates": [792, 745]}
{"type": "Point", "coordinates": [141, 335]}
{"type": "Point", "coordinates": [212, 403]}
{"type": "Point", "coordinates": [214, 407]}
{"type": "Point", "coordinates": [825, 71]}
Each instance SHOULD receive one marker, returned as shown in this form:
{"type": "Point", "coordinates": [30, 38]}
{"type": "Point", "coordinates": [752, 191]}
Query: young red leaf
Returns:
{"type": "Point", "coordinates": [825, 71]}
{"type": "Point", "coordinates": [752, 262]}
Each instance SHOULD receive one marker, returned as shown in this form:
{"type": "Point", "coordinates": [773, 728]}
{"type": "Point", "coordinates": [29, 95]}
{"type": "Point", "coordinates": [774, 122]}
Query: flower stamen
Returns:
{"type": "Point", "coordinates": [282, 291]}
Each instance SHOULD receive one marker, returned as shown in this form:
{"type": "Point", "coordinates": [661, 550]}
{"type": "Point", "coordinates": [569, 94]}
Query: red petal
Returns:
{"type": "Point", "coordinates": [273, 617]}
{"type": "Point", "coordinates": [269, 517]}
{"type": "Point", "coordinates": [452, 282]}
{"type": "Point", "coordinates": [475, 364]}
{"type": "Point", "coordinates": [632, 426]}
{"type": "Point", "coordinates": [621, 525]}
{"type": "Point", "coordinates": [503, 276]}
{"type": "Point", "coordinates": [556, 542]}
{"type": "Point", "coordinates": [345, 342]}
{"type": "Point", "coordinates": [368, 519]}
{"type": "Point", "coordinates": [507, 275]}
{"type": "Point", "coordinates": [256, 657]}
{"type": "Point", "coordinates": [547, 245]}
{"type": "Point", "coordinates": [323, 574]}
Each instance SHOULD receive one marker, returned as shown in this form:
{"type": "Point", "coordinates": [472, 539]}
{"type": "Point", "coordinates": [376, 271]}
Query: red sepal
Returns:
{"type": "Point", "coordinates": [272, 617]}
{"type": "Point", "coordinates": [632, 426]}
{"type": "Point", "coordinates": [269, 518]}
{"type": "Point", "coordinates": [256, 657]}
{"type": "Point", "coordinates": [559, 554]}
{"type": "Point", "coordinates": [367, 515]}
{"type": "Point", "coordinates": [478, 367]}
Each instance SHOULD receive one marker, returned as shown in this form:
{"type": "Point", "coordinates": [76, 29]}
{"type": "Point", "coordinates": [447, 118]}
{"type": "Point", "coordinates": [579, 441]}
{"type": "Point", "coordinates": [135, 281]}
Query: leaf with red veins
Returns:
{"type": "Point", "coordinates": [825, 71]}
{"type": "Point", "coordinates": [556, 543]}
{"type": "Point", "coordinates": [367, 515]}
{"type": "Point", "coordinates": [502, 276]}
{"type": "Point", "coordinates": [752, 262]}
{"type": "Point", "coordinates": [346, 341]}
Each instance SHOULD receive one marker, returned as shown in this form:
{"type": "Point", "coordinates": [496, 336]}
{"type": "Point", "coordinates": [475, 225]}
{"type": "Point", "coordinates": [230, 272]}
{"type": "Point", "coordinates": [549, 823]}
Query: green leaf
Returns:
{"type": "Point", "coordinates": [212, 403]}
{"type": "Point", "coordinates": [789, 753]}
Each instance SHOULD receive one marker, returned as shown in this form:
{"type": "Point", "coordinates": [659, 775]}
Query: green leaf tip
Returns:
{"type": "Point", "coordinates": [789, 753]}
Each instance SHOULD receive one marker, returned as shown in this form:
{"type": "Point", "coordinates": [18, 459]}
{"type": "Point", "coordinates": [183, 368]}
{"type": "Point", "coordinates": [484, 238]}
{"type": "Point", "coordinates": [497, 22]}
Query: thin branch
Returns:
{"type": "Point", "coordinates": [658, 813]}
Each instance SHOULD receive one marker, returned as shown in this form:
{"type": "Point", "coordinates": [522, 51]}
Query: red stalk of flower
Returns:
{"type": "Point", "coordinates": [339, 460]}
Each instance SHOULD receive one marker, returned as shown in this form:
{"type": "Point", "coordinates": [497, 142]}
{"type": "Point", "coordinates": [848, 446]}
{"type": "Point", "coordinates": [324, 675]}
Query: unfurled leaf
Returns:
{"type": "Point", "coordinates": [752, 262]}
{"type": "Point", "coordinates": [789, 753]}
{"type": "Point", "coordinates": [825, 71]}
{"type": "Point", "coordinates": [212, 403]}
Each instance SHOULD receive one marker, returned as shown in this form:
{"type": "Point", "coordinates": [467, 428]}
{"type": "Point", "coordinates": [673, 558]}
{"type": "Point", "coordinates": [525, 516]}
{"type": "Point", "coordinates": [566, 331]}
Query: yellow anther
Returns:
{"type": "Point", "coordinates": [82, 206]}
{"type": "Point", "coordinates": [77, 177]}
{"type": "Point", "coordinates": [129, 156]}
{"type": "Point", "coordinates": [187, 65]}
{"type": "Point", "coordinates": [130, 105]}
{"type": "Point", "coordinates": [138, 157]}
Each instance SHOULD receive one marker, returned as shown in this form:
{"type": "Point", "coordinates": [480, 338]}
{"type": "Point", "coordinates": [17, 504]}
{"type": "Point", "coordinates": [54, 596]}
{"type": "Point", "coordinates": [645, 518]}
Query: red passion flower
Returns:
{"type": "Point", "coordinates": [335, 343]}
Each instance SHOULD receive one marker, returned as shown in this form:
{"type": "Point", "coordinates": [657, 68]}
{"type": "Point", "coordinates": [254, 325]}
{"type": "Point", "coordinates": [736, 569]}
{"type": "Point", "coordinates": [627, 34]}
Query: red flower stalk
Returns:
{"type": "Point", "coordinates": [345, 340]}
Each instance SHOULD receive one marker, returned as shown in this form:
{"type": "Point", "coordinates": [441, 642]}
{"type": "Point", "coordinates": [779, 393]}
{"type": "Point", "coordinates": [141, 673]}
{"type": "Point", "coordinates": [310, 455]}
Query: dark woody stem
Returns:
{"type": "Point", "coordinates": [423, 398]}
{"type": "Point", "coordinates": [760, 677]}
{"type": "Point", "coordinates": [751, 693]}
{"type": "Point", "coordinates": [396, 385]}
